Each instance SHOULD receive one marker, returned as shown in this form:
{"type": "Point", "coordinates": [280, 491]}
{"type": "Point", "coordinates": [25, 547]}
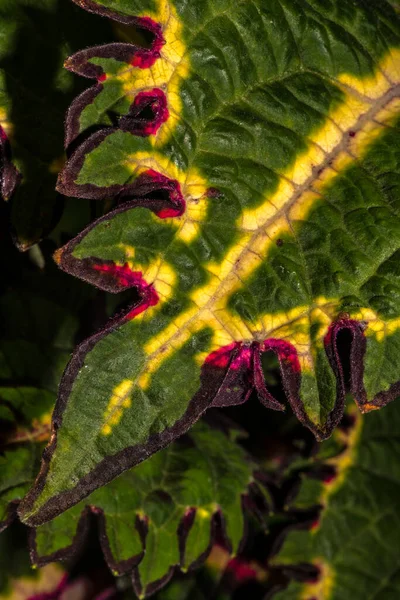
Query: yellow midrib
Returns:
{"type": "Point", "coordinates": [257, 241]}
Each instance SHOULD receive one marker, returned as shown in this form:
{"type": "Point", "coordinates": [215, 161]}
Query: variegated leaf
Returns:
{"type": "Point", "coordinates": [162, 514]}
{"type": "Point", "coordinates": [253, 151]}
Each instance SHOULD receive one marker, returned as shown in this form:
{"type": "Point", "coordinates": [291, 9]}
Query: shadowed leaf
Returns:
{"type": "Point", "coordinates": [354, 542]}
{"type": "Point", "coordinates": [162, 513]}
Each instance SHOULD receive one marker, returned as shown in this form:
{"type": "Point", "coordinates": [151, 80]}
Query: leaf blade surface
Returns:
{"type": "Point", "coordinates": [257, 216]}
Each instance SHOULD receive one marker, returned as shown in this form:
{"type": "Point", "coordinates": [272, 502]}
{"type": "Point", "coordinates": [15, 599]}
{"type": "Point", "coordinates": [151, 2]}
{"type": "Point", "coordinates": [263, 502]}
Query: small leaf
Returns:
{"type": "Point", "coordinates": [354, 542]}
{"type": "Point", "coordinates": [257, 211]}
{"type": "Point", "coordinates": [162, 513]}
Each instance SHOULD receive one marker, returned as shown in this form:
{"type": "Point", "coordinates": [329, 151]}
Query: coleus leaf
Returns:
{"type": "Point", "coordinates": [162, 513]}
{"type": "Point", "coordinates": [353, 544]}
{"type": "Point", "coordinates": [253, 150]}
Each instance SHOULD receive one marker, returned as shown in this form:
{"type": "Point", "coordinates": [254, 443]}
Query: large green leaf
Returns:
{"type": "Point", "coordinates": [354, 543]}
{"type": "Point", "coordinates": [162, 513]}
{"type": "Point", "coordinates": [256, 147]}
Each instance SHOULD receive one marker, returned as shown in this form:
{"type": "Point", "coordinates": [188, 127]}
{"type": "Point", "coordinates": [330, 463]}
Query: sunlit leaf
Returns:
{"type": "Point", "coordinates": [253, 152]}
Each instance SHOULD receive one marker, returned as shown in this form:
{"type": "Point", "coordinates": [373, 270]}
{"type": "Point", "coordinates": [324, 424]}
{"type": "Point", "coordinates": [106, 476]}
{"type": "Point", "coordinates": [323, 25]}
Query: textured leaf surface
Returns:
{"type": "Point", "coordinates": [254, 153]}
{"type": "Point", "coordinates": [162, 513]}
{"type": "Point", "coordinates": [355, 542]}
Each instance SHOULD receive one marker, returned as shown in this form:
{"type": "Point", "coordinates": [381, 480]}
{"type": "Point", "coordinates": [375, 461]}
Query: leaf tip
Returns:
{"type": "Point", "coordinates": [367, 408]}
{"type": "Point", "coordinates": [57, 256]}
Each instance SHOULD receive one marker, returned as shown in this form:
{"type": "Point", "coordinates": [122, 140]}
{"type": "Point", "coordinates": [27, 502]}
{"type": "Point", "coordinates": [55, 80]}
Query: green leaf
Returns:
{"type": "Point", "coordinates": [162, 513]}
{"type": "Point", "coordinates": [354, 542]}
{"type": "Point", "coordinates": [35, 91]}
{"type": "Point", "coordinates": [253, 149]}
